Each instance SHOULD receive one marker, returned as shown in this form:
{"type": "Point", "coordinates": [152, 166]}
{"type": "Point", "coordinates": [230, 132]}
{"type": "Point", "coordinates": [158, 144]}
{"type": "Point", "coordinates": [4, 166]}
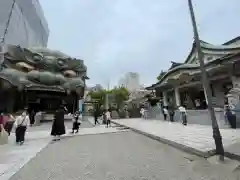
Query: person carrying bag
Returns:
{"type": "Point", "coordinates": [21, 124]}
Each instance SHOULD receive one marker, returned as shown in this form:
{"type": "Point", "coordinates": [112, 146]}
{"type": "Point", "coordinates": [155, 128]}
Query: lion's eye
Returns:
{"type": "Point", "coordinates": [70, 73]}
{"type": "Point", "coordinates": [24, 66]}
{"type": "Point", "coordinates": [37, 57]}
{"type": "Point", "coordinates": [60, 62]}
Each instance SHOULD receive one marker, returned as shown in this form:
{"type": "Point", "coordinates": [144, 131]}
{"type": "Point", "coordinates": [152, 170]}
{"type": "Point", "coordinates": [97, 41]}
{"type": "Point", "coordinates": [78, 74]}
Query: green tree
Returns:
{"type": "Point", "coordinates": [116, 96]}
{"type": "Point", "coordinates": [98, 99]}
{"type": "Point", "coordinates": [119, 96]}
{"type": "Point", "coordinates": [162, 73]}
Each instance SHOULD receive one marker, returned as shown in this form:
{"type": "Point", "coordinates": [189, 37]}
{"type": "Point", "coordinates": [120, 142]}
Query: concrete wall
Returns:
{"type": "Point", "coordinates": [200, 117]}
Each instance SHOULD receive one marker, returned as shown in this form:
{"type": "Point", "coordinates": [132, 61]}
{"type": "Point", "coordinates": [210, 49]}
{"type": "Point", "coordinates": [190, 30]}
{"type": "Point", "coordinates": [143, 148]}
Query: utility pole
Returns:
{"type": "Point", "coordinates": [107, 97]}
{"type": "Point", "coordinates": [216, 133]}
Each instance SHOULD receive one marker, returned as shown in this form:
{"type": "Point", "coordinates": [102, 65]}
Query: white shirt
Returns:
{"type": "Point", "coordinates": [21, 120]}
{"type": "Point", "coordinates": [142, 111]}
{"type": "Point", "coordinates": [165, 111]}
{"type": "Point", "coordinates": [182, 109]}
{"type": "Point", "coordinates": [108, 115]}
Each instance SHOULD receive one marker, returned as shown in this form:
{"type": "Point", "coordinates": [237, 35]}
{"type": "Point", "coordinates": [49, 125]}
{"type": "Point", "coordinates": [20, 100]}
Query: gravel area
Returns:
{"type": "Point", "coordinates": [118, 156]}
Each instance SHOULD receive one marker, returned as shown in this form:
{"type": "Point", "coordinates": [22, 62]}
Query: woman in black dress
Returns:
{"type": "Point", "coordinates": [58, 126]}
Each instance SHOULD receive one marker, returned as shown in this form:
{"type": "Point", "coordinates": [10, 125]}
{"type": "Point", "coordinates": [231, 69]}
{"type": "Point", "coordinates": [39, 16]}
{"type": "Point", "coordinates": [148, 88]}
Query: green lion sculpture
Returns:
{"type": "Point", "coordinates": [41, 69]}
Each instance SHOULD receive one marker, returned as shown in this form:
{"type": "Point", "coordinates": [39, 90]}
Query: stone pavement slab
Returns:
{"type": "Point", "coordinates": [13, 157]}
{"type": "Point", "coordinates": [91, 120]}
{"type": "Point", "coordinates": [233, 151]}
{"type": "Point", "coordinates": [196, 139]}
{"type": "Point", "coordinates": [119, 156]}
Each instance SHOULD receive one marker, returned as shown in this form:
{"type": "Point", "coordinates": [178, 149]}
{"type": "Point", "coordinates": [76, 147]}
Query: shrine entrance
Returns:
{"type": "Point", "coordinates": [49, 101]}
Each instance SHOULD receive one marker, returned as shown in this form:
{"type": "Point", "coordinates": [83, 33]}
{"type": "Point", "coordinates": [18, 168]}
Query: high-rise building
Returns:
{"type": "Point", "coordinates": [130, 81]}
{"type": "Point", "coordinates": [27, 24]}
{"type": "Point", "coordinates": [122, 82]}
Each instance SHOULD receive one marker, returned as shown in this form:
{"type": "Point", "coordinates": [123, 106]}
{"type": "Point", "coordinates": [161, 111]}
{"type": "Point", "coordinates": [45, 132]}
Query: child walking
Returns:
{"type": "Point", "coordinates": [76, 123]}
{"type": "Point", "coordinates": [108, 117]}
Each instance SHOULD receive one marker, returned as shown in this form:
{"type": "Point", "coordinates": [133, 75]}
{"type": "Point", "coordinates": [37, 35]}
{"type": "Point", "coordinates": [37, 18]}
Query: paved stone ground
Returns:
{"type": "Point", "coordinates": [197, 137]}
{"type": "Point", "coordinates": [118, 156]}
{"type": "Point", "coordinates": [92, 121]}
{"type": "Point", "coordinates": [13, 157]}
{"type": "Point", "coordinates": [47, 126]}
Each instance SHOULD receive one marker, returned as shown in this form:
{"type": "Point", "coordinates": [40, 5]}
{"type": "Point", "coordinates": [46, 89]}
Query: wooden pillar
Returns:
{"type": "Point", "coordinates": [165, 100]}
{"type": "Point", "coordinates": [177, 97]}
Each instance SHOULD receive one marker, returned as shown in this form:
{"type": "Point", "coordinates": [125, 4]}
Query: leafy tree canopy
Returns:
{"type": "Point", "coordinates": [116, 95]}
{"type": "Point", "coordinates": [120, 95]}
{"type": "Point", "coordinates": [162, 73]}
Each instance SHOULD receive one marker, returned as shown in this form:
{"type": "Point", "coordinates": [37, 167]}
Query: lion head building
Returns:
{"type": "Point", "coordinates": [27, 24]}
{"type": "Point", "coordinates": [41, 79]}
{"type": "Point", "coordinates": [181, 85]}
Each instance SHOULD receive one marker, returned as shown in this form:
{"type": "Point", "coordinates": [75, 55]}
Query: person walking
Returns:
{"type": "Point", "coordinates": [231, 117]}
{"type": "Point", "coordinates": [142, 112]}
{"type": "Point", "coordinates": [31, 117]}
{"type": "Point", "coordinates": [96, 115]}
{"type": "Point", "coordinates": [183, 113]}
{"type": "Point", "coordinates": [165, 113]}
{"type": "Point", "coordinates": [58, 126]}
{"type": "Point", "coordinates": [108, 117]}
{"type": "Point", "coordinates": [76, 123]}
{"type": "Point", "coordinates": [21, 123]}
{"type": "Point", "coordinates": [171, 112]}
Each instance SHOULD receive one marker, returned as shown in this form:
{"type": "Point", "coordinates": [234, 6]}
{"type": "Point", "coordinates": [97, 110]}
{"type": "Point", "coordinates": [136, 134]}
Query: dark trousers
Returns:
{"type": "Point", "coordinates": [20, 133]}
{"type": "Point", "coordinates": [184, 118]}
{"type": "Point", "coordinates": [232, 120]}
{"type": "Point", "coordinates": [165, 117]}
{"type": "Point", "coordinates": [108, 122]}
{"type": "Point", "coordinates": [171, 115]}
{"type": "Point", "coordinates": [75, 126]}
{"type": "Point", "coordinates": [96, 120]}
{"type": "Point", "coordinates": [32, 120]}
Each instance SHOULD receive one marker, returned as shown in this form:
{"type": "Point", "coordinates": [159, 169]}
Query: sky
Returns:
{"type": "Point", "coordinates": [114, 37]}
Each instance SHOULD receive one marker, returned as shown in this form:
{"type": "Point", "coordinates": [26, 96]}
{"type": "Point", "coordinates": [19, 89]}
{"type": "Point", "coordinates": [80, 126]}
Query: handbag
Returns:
{"type": "Point", "coordinates": [3, 135]}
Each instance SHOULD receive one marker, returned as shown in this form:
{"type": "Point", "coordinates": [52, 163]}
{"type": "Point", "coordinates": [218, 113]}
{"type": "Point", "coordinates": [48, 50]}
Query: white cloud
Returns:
{"type": "Point", "coordinates": [116, 36]}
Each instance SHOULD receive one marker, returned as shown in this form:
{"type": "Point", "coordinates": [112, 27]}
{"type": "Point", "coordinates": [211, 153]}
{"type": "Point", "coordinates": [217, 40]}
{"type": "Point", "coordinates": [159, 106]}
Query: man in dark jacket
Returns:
{"type": "Point", "coordinates": [96, 115]}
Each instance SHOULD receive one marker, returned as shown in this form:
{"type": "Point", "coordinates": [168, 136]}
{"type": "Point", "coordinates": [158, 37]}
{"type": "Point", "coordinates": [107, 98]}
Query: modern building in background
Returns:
{"type": "Point", "coordinates": [131, 81]}
{"type": "Point", "coordinates": [27, 24]}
